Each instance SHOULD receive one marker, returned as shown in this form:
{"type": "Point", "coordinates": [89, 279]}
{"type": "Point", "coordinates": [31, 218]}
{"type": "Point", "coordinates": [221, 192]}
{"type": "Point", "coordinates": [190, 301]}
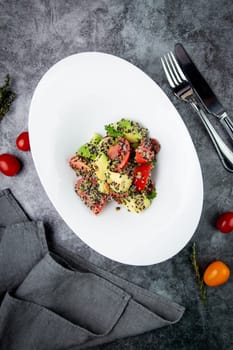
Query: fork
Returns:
{"type": "Point", "coordinates": [184, 91]}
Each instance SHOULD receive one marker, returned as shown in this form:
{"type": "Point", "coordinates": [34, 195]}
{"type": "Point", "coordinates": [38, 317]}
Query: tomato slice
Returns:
{"type": "Point", "coordinates": [89, 194]}
{"type": "Point", "coordinates": [139, 158]}
{"type": "Point", "coordinates": [144, 153]}
{"type": "Point", "coordinates": [141, 176]}
{"type": "Point", "coordinates": [119, 153]}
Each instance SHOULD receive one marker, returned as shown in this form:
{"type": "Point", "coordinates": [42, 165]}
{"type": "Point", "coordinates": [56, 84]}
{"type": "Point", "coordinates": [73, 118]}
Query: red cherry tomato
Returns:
{"type": "Point", "coordinates": [216, 274]}
{"type": "Point", "coordinates": [224, 222]}
{"type": "Point", "coordinates": [156, 145]}
{"type": "Point", "coordinates": [22, 142]}
{"type": "Point", "coordinates": [141, 176]}
{"type": "Point", "coordinates": [144, 153]}
{"type": "Point", "coordinates": [9, 164]}
{"type": "Point", "coordinates": [120, 153]}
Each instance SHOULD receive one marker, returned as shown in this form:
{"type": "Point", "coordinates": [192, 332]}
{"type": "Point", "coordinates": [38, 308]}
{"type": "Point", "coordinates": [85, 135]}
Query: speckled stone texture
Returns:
{"type": "Point", "coordinates": [36, 34]}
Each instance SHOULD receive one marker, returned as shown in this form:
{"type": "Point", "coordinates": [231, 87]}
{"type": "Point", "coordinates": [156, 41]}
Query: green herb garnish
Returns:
{"type": "Point", "coordinates": [125, 124]}
{"type": "Point", "coordinates": [200, 281]}
{"type": "Point", "coordinates": [152, 195]}
{"type": "Point", "coordinates": [6, 97]}
{"type": "Point", "coordinates": [112, 132]}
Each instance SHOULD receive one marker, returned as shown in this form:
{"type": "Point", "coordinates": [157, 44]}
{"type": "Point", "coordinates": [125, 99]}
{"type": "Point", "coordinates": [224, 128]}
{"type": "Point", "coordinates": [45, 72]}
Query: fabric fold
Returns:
{"type": "Point", "coordinates": [80, 297]}
{"type": "Point", "coordinates": [54, 299]}
{"type": "Point", "coordinates": [22, 245]}
{"type": "Point", "coordinates": [154, 302]}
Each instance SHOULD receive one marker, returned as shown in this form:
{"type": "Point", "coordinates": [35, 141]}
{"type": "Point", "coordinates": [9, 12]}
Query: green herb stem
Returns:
{"type": "Point", "coordinates": [199, 279]}
{"type": "Point", "coordinates": [6, 97]}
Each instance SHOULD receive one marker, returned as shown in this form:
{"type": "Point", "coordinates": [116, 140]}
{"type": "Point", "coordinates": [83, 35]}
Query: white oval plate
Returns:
{"type": "Point", "coordinates": [77, 97]}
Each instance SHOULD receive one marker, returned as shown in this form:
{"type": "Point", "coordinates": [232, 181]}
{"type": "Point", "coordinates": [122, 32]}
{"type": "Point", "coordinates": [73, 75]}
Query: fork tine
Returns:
{"type": "Point", "coordinates": [171, 70]}
{"type": "Point", "coordinates": [167, 73]}
{"type": "Point", "coordinates": [181, 74]}
{"type": "Point", "coordinates": [175, 68]}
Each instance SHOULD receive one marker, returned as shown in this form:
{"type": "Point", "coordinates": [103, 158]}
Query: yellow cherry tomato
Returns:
{"type": "Point", "coordinates": [216, 274]}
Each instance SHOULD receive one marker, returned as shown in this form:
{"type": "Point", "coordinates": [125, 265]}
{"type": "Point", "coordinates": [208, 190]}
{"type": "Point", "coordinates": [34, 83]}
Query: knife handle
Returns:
{"type": "Point", "coordinates": [227, 124]}
{"type": "Point", "coordinates": [223, 151]}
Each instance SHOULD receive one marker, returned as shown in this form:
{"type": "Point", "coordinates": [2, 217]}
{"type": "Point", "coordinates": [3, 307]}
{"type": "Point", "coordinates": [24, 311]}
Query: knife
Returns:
{"type": "Point", "coordinates": [204, 92]}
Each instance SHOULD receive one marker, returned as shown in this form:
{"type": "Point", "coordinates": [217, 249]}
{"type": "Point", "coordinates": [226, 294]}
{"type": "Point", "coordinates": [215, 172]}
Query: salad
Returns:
{"type": "Point", "coordinates": [117, 167]}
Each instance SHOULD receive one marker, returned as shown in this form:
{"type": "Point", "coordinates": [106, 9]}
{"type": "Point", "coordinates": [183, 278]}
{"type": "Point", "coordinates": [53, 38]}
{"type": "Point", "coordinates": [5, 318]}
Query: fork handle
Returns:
{"type": "Point", "coordinates": [223, 151]}
{"type": "Point", "coordinates": [227, 124]}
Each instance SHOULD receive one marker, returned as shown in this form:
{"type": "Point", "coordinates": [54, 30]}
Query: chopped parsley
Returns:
{"type": "Point", "coordinates": [151, 195]}
{"type": "Point", "coordinates": [112, 132]}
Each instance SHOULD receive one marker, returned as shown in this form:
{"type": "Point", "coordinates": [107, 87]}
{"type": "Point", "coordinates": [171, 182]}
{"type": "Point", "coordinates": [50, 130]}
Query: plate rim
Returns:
{"type": "Point", "coordinates": [145, 75]}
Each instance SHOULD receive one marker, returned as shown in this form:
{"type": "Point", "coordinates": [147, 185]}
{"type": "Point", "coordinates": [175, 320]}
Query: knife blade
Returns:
{"type": "Point", "coordinates": [202, 89]}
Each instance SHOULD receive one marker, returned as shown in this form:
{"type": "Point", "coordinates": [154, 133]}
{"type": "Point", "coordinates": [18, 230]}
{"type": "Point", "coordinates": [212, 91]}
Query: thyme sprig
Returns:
{"type": "Point", "coordinates": [6, 97]}
{"type": "Point", "coordinates": [199, 279]}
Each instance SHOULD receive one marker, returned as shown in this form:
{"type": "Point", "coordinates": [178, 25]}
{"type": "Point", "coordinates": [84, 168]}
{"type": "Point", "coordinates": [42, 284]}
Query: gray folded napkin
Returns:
{"type": "Point", "coordinates": [53, 299]}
